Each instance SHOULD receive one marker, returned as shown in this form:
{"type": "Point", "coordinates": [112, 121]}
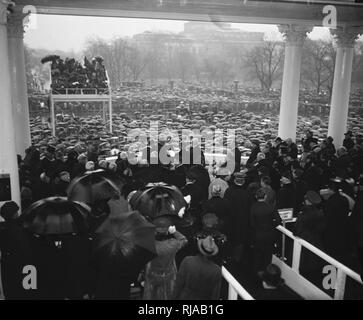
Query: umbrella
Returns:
{"type": "Point", "coordinates": [56, 216]}
{"type": "Point", "coordinates": [94, 186]}
{"type": "Point", "coordinates": [127, 237]}
{"type": "Point", "coordinates": [158, 199]}
{"type": "Point", "coordinates": [49, 58]}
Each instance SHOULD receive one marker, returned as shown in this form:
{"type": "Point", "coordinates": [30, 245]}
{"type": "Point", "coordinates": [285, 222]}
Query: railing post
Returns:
{"type": "Point", "coordinates": [232, 294]}
{"type": "Point", "coordinates": [283, 243]}
{"type": "Point", "coordinates": [52, 112]}
{"type": "Point", "coordinates": [340, 285]}
{"type": "Point", "coordinates": [296, 255]}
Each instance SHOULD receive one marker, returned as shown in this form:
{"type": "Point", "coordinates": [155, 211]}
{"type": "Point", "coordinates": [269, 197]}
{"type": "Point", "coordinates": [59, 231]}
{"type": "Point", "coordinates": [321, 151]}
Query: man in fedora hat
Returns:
{"type": "Point", "coordinates": [263, 222]}
{"type": "Point", "coordinates": [255, 150]}
{"type": "Point", "coordinates": [238, 197]}
{"type": "Point", "coordinates": [272, 285]}
{"type": "Point", "coordinates": [286, 196]}
{"type": "Point", "coordinates": [348, 142]}
{"type": "Point", "coordinates": [199, 278]}
{"type": "Point", "coordinates": [337, 228]}
{"type": "Point", "coordinates": [310, 226]}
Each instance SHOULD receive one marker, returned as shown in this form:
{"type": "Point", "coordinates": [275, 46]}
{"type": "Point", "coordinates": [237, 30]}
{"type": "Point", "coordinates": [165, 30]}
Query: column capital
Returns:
{"type": "Point", "coordinates": [15, 24]}
{"type": "Point", "coordinates": [294, 34]}
{"type": "Point", "coordinates": [346, 37]}
{"type": "Point", "coordinates": [4, 5]}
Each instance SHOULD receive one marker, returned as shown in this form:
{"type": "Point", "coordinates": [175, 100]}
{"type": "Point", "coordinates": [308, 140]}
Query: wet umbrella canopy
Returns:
{"type": "Point", "coordinates": [125, 234]}
{"type": "Point", "coordinates": [94, 186]}
{"type": "Point", "coordinates": [56, 216]}
{"type": "Point", "coordinates": [50, 58]}
{"type": "Point", "coordinates": [158, 199]}
{"type": "Point", "coordinates": [126, 237]}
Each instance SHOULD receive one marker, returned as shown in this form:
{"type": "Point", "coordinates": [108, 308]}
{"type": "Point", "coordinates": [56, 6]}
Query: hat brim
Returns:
{"type": "Point", "coordinates": [205, 252]}
{"type": "Point", "coordinates": [263, 276]}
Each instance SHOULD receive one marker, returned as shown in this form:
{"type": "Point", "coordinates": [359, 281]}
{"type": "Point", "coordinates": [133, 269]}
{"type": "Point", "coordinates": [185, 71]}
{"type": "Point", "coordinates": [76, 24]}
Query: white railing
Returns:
{"type": "Point", "coordinates": [81, 91]}
{"type": "Point", "coordinates": [234, 287]}
{"type": "Point", "coordinates": [342, 270]}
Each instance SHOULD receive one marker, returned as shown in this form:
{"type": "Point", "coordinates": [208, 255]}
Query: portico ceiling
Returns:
{"type": "Point", "coordinates": [245, 11]}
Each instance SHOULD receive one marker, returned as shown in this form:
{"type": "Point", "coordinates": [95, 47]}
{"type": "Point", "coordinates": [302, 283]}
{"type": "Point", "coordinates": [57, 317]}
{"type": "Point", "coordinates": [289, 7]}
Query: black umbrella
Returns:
{"type": "Point", "coordinates": [94, 186]}
{"type": "Point", "coordinates": [56, 216]}
{"type": "Point", "coordinates": [128, 236]}
{"type": "Point", "coordinates": [158, 199]}
{"type": "Point", "coordinates": [49, 58]}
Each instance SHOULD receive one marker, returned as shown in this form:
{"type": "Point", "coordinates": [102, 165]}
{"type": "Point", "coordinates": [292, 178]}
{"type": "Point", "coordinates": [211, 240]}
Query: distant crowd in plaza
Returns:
{"type": "Point", "coordinates": [231, 218]}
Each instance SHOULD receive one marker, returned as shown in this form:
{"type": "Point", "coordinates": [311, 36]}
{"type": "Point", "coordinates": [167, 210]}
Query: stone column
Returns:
{"type": "Point", "coordinates": [345, 40]}
{"type": "Point", "coordinates": [18, 81]}
{"type": "Point", "coordinates": [294, 39]}
{"type": "Point", "coordinates": [8, 159]}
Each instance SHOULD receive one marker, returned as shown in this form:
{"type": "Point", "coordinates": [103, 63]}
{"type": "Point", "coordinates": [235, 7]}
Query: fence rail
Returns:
{"type": "Point", "coordinates": [81, 91]}
{"type": "Point", "coordinates": [342, 270]}
{"type": "Point", "coordinates": [234, 287]}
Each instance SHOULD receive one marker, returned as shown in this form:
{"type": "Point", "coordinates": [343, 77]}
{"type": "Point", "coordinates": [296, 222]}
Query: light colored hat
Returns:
{"type": "Point", "coordinates": [90, 165]}
{"type": "Point", "coordinates": [112, 166]}
{"type": "Point", "coordinates": [82, 156]}
{"type": "Point", "coordinates": [123, 155]}
{"type": "Point", "coordinates": [239, 178]}
{"type": "Point", "coordinates": [216, 190]}
{"type": "Point", "coordinates": [216, 185]}
{"type": "Point", "coordinates": [103, 164]}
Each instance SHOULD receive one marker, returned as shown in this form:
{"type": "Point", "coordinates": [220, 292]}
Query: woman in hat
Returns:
{"type": "Point", "coordinates": [337, 228]}
{"type": "Point", "coordinates": [238, 196]}
{"type": "Point", "coordinates": [264, 219]}
{"type": "Point", "coordinates": [219, 206]}
{"type": "Point", "coordinates": [199, 278]}
{"type": "Point", "coordinates": [161, 272]}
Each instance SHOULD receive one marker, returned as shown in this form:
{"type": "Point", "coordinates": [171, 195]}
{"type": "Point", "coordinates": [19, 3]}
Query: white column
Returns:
{"type": "Point", "coordinates": [8, 159]}
{"type": "Point", "coordinates": [294, 39]}
{"type": "Point", "coordinates": [18, 81]}
{"type": "Point", "coordinates": [345, 40]}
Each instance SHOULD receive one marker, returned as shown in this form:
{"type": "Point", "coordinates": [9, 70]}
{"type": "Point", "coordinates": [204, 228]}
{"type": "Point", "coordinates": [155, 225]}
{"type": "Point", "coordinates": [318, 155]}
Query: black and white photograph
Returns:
{"type": "Point", "coordinates": [178, 154]}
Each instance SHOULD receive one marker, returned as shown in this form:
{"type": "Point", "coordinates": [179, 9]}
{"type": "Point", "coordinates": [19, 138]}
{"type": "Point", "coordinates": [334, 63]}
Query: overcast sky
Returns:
{"type": "Point", "coordinates": [69, 33]}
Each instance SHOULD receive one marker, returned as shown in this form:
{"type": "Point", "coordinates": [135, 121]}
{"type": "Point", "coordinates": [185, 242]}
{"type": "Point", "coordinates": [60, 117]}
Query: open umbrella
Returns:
{"type": "Point", "coordinates": [56, 216]}
{"type": "Point", "coordinates": [158, 199]}
{"type": "Point", "coordinates": [49, 58]}
{"type": "Point", "coordinates": [94, 186]}
{"type": "Point", "coordinates": [125, 236]}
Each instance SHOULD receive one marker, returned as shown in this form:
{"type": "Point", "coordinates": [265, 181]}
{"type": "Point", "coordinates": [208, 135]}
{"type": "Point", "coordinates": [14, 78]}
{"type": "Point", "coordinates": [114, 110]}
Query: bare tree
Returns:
{"type": "Point", "coordinates": [264, 63]}
{"type": "Point", "coordinates": [357, 74]}
{"type": "Point", "coordinates": [183, 60]}
{"type": "Point", "coordinates": [318, 64]}
{"type": "Point", "coordinates": [135, 62]}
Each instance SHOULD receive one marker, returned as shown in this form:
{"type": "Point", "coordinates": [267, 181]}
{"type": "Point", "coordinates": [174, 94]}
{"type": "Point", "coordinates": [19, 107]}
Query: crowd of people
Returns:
{"type": "Point", "coordinates": [231, 216]}
{"type": "Point", "coordinates": [70, 73]}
